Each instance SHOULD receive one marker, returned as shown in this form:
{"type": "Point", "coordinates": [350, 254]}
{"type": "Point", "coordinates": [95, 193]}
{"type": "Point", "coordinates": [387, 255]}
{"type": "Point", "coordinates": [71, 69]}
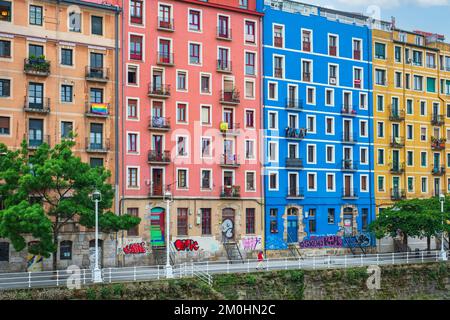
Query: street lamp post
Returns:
{"type": "Point", "coordinates": [443, 252]}
{"type": "Point", "coordinates": [169, 271]}
{"type": "Point", "coordinates": [97, 274]}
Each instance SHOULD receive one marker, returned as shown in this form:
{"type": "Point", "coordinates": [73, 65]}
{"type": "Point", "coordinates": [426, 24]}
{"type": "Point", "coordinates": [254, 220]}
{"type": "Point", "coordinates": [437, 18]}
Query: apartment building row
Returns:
{"type": "Point", "coordinates": [259, 124]}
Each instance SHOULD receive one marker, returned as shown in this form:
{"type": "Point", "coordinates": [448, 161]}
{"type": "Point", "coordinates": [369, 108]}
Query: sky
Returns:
{"type": "Point", "coordinates": [425, 15]}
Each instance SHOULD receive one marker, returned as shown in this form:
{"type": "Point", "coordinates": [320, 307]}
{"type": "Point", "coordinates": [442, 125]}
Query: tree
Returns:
{"type": "Point", "coordinates": [48, 189]}
{"type": "Point", "coordinates": [412, 218]}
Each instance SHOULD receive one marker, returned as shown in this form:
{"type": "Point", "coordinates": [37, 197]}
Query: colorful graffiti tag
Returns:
{"type": "Point", "coordinates": [251, 243]}
{"type": "Point", "coordinates": [333, 241]}
{"type": "Point", "coordinates": [186, 245]}
{"type": "Point", "coordinates": [135, 248]}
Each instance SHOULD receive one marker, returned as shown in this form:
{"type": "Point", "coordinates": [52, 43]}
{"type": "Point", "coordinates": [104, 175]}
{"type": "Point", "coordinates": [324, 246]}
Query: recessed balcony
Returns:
{"type": "Point", "coordinates": [348, 110]}
{"type": "Point", "coordinates": [438, 171]}
{"type": "Point", "coordinates": [224, 66]}
{"type": "Point", "coordinates": [396, 115]}
{"type": "Point", "coordinates": [97, 110]}
{"type": "Point", "coordinates": [230, 97]}
{"type": "Point", "coordinates": [97, 74]}
{"type": "Point", "coordinates": [349, 165]}
{"type": "Point", "coordinates": [230, 129]}
{"type": "Point", "coordinates": [224, 33]}
{"type": "Point", "coordinates": [348, 138]}
{"type": "Point", "coordinates": [398, 194]}
{"type": "Point", "coordinates": [438, 144]}
{"type": "Point", "coordinates": [97, 146]}
{"type": "Point", "coordinates": [159, 123]}
{"type": "Point", "coordinates": [295, 133]}
{"type": "Point", "coordinates": [293, 104]}
{"type": "Point", "coordinates": [294, 163]}
{"type": "Point", "coordinates": [230, 192]}
{"type": "Point", "coordinates": [229, 160]}
{"type": "Point", "coordinates": [397, 142]}
{"type": "Point", "coordinates": [159, 157]}
{"type": "Point", "coordinates": [295, 193]}
{"type": "Point", "coordinates": [437, 120]}
{"type": "Point", "coordinates": [37, 66]}
{"type": "Point", "coordinates": [349, 194]}
{"type": "Point", "coordinates": [36, 105]}
{"type": "Point", "coordinates": [165, 24]}
{"type": "Point", "coordinates": [165, 58]}
{"type": "Point", "coordinates": [397, 168]}
{"type": "Point", "coordinates": [158, 90]}
{"type": "Point", "coordinates": [36, 140]}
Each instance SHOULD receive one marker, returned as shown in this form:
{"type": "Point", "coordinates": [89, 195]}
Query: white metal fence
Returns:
{"type": "Point", "coordinates": [206, 269]}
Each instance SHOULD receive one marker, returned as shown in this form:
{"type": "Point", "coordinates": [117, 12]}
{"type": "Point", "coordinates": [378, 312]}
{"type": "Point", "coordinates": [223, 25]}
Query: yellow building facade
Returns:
{"type": "Point", "coordinates": [411, 109]}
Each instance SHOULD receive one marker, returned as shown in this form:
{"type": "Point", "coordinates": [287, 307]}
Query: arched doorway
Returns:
{"type": "Point", "coordinates": [92, 253]}
{"type": "Point", "coordinates": [157, 227]}
{"type": "Point", "coordinates": [228, 221]}
{"type": "Point", "coordinates": [348, 221]}
{"type": "Point", "coordinates": [292, 225]}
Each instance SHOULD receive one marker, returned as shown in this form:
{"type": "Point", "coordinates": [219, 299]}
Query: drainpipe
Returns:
{"type": "Point", "coordinates": [262, 131]}
{"type": "Point", "coordinates": [371, 129]}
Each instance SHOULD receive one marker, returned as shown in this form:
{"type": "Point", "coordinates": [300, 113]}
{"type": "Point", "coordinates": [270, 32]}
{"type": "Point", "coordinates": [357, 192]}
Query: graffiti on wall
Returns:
{"type": "Point", "coordinates": [334, 241]}
{"type": "Point", "coordinates": [186, 245]}
{"type": "Point", "coordinates": [251, 243]}
{"type": "Point", "coordinates": [228, 228]}
{"type": "Point", "coordinates": [135, 248]}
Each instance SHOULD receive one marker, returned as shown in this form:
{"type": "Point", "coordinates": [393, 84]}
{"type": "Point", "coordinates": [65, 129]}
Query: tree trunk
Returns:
{"type": "Point", "coordinates": [405, 242]}
{"type": "Point", "coordinates": [55, 253]}
{"type": "Point", "coordinates": [428, 243]}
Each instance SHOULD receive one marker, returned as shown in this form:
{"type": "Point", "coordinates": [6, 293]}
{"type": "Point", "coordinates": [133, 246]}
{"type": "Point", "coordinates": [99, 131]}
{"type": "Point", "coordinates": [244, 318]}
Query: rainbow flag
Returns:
{"type": "Point", "coordinates": [99, 108]}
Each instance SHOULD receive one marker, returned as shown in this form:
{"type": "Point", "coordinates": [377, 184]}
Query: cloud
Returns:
{"type": "Point", "coordinates": [383, 4]}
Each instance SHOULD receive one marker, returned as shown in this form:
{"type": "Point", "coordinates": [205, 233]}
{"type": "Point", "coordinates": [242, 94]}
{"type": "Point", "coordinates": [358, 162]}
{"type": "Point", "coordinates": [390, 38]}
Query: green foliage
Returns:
{"type": "Point", "coordinates": [48, 189]}
{"type": "Point", "coordinates": [413, 217]}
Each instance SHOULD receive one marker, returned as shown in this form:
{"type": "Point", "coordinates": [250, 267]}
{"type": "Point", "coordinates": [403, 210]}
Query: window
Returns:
{"type": "Point", "coordinates": [357, 49]}
{"type": "Point", "coordinates": [66, 57]}
{"type": "Point", "coordinates": [312, 181]}
{"type": "Point", "coordinates": [329, 97]}
{"type": "Point", "coordinates": [4, 126]}
{"type": "Point", "coordinates": [206, 179]}
{"type": "Point", "coordinates": [96, 162]}
{"type": "Point", "coordinates": [132, 109]}
{"type": "Point", "coordinates": [6, 12]}
{"type": "Point", "coordinates": [250, 181]}
{"type": "Point", "coordinates": [431, 84]}
{"type": "Point", "coordinates": [364, 219]}
{"type": "Point", "coordinates": [272, 120]}
{"type": "Point", "coordinates": [423, 158]}
{"type": "Point", "coordinates": [4, 246]}
{"type": "Point", "coordinates": [132, 75]}
{"type": "Point", "coordinates": [380, 77]}
{"type": "Point", "coordinates": [424, 184]}
{"type": "Point", "coordinates": [66, 93]}
{"type": "Point", "coordinates": [273, 90]}
{"type": "Point", "coordinates": [206, 115]}
{"type": "Point", "coordinates": [97, 25]}
{"type": "Point", "coordinates": [306, 40]}
{"type": "Point", "coordinates": [65, 250]}
{"type": "Point", "coordinates": [311, 124]}
{"type": "Point", "coordinates": [418, 83]}
{"type": "Point", "coordinates": [181, 113]}
{"type": "Point", "coordinates": [363, 128]}
{"type": "Point", "coordinates": [182, 179]}
{"type": "Point", "coordinates": [312, 220]}
{"type": "Point", "coordinates": [132, 177]}
{"type": "Point", "coordinates": [96, 95]}
{"type": "Point", "coordinates": [331, 215]}
{"type": "Point", "coordinates": [194, 53]}
{"type": "Point", "coordinates": [249, 149]}
{"type": "Point", "coordinates": [206, 221]}
{"type": "Point", "coordinates": [134, 212]}
{"type": "Point", "coordinates": [380, 183]}
{"type": "Point", "coordinates": [194, 20]}
{"type": "Point", "coordinates": [332, 45]}
{"type": "Point", "coordinates": [380, 103]}
{"type": "Point", "coordinates": [206, 147]}
{"type": "Point", "coordinates": [423, 134]}
{"type": "Point", "coordinates": [243, 4]}
{"type": "Point", "coordinates": [273, 180]}
{"type": "Point", "coordinates": [182, 146]}
{"type": "Point", "coordinates": [423, 108]}
{"type": "Point", "coordinates": [330, 182]}
{"type": "Point", "coordinates": [363, 155]}
{"type": "Point", "coordinates": [409, 131]}
{"type": "Point", "coordinates": [311, 153]}
{"type": "Point", "coordinates": [410, 184]}
{"type": "Point", "coordinates": [136, 11]}
{"type": "Point", "coordinates": [364, 183]}
{"type": "Point", "coordinates": [409, 106]}
{"type": "Point", "coordinates": [410, 158]}
{"type": "Point", "coordinates": [380, 157]}
{"type": "Point", "coordinates": [278, 65]}
{"type": "Point", "coordinates": [182, 221]}
{"type": "Point", "coordinates": [250, 220]}
{"type": "Point", "coordinates": [398, 79]}
{"type": "Point", "coordinates": [380, 50]}
{"type": "Point", "coordinates": [249, 89]}
{"type": "Point", "coordinates": [398, 54]}
{"type": "Point", "coordinates": [181, 81]}
{"type": "Point", "coordinates": [250, 59]}
{"type": "Point", "coordinates": [311, 95]}
{"type": "Point", "coordinates": [35, 15]}
{"type": "Point", "coordinates": [205, 84]}
{"type": "Point", "coordinates": [307, 68]}
{"type": "Point", "coordinates": [5, 49]}
{"type": "Point", "coordinates": [132, 142]}
{"type": "Point", "coordinates": [417, 58]}
{"type": "Point", "coordinates": [5, 88]}
{"type": "Point", "coordinates": [75, 21]}
{"type": "Point", "coordinates": [330, 154]}
{"type": "Point", "coordinates": [66, 129]}
{"type": "Point", "coordinates": [273, 151]}
{"type": "Point", "coordinates": [278, 36]}
{"type": "Point", "coordinates": [135, 47]}
{"type": "Point", "coordinates": [250, 32]}
{"type": "Point", "coordinates": [273, 224]}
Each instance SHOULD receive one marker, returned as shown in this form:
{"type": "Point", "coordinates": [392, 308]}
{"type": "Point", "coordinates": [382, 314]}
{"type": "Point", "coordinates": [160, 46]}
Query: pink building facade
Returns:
{"type": "Point", "coordinates": [190, 127]}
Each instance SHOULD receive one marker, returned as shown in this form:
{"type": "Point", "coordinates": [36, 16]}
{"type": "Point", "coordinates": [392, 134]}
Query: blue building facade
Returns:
{"type": "Point", "coordinates": [318, 126]}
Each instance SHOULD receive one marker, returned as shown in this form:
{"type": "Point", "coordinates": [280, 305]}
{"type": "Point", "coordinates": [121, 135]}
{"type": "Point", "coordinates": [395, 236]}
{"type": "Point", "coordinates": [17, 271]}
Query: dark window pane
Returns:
{"type": "Point", "coordinates": [97, 25]}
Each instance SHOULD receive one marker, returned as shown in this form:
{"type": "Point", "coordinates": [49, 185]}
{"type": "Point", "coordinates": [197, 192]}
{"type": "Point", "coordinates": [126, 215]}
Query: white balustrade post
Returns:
{"type": "Point", "coordinates": [345, 261]}
{"type": "Point", "coordinates": [134, 273]}
{"type": "Point", "coordinates": [407, 257]}
{"type": "Point", "coordinates": [110, 275]}
{"type": "Point", "coordinates": [285, 264]}
{"type": "Point", "coordinates": [228, 266]}
{"type": "Point", "coordinates": [422, 256]}
{"type": "Point", "coordinates": [248, 265]}
{"type": "Point", "coordinates": [378, 259]}
{"type": "Point", "coordinates": [393, 258]}
{"type": "Point", "coordinates": [361, 258]}
{"type": "Point", "coordinates": [57, 278]}
{"type": "Point", "coordinates": [314, 262]}
{"type": "Point", "coordinates": [29, 279]}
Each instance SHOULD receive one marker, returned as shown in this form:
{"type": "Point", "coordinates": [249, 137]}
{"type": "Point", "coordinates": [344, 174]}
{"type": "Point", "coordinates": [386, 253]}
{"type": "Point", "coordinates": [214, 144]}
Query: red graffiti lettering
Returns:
{"type": "Point", "coordinates": [186, 245]}
{"type": "Point", "coordinates": [134, 248]}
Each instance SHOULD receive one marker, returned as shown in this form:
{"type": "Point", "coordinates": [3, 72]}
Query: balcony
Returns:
{"type": "Point", "coordinates": [437, 120]}
{"type": "Point", "coordinates": [230, 97]}
{"type": "Point", "coordinates": [396, 115]}
{"type": "Point", "coordinates": [306, 46]}
{"type": "Point", "coordinates": [348, 138]}
{"type": "Point", "coordinates": [347, 110]}
{"type": "Point", "coordinates": [37, 66]}
{"type": "Point", "coordinates": [398, 194]}
{"type": "Point", "coordinates": [306, 76]}
{"type": "Point", "coordinates": [97, 74]}
{"type": "Point", "coordinates": [278, 73]}
{"type": "Point", "coordinates": [164, 58]}
{"type": "Point", "coordinates": [397, 168]}
{"type": "Point", "coordinates": [295, 193]}
{"type": "Point", "coordinates": [97, 146]}
{"type": "Point", "coordinates": [294, 104]}
{"type": "Point", "coordinates": [357, 54]}
{"type": "Point", "coordinates": [159, 123]}
{"type": "Point", "coordinates": [224, 66]}
{"type": "Point", "coordinates": [294, 163]}
{"type": "Point", "coordinates": [157, 90]}
{"type": "Point", "coordinates": [157, 190]}
{"type": "Point", "coordinates": [224, 34]}
{"type": "Point", "coordinates": [36, 105]}
{"type": "Point", "coordinates": [397, 142]}
{"type": "Point", "coordinates": [349, 194]}
{"type": "Point", "coordinates": [349, 165]}
{"type": "Point", "coordinates": [278, 42]}
{"type": "Point", "coordinates": [332, 50]}
{"type": "Point", "coordinates": [438, 144]}
{"type": "Point", "coordinates": [296, 134]}
{"type": "Point", "coordinates": [229, 161]}
{"type": "Point", "coordinates": [230, 129]}
{"type": "Point", "coordinates": [165, 24]}
{"type": "Point", "coordinates": [158, 157]}
{"type": "Point", "coordinates": [97, 110]}
{"type": "Point", "coordinates": [35, 141]}
{"type": "Point", "coordinates": [438, 171]}
{"type": "Point", "coordinates": [230, 192]}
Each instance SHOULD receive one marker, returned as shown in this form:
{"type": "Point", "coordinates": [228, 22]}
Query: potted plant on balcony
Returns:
{"type": "Point", "coordinates": [442, 142]}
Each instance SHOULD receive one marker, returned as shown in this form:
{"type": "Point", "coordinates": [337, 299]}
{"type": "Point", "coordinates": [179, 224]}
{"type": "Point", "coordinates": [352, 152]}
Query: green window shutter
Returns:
{"type": "Point", "coordinates": [431, 85]}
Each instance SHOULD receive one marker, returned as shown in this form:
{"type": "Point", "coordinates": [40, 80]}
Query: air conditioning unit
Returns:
{"type": "Point", "coordinates": [333, 81]}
